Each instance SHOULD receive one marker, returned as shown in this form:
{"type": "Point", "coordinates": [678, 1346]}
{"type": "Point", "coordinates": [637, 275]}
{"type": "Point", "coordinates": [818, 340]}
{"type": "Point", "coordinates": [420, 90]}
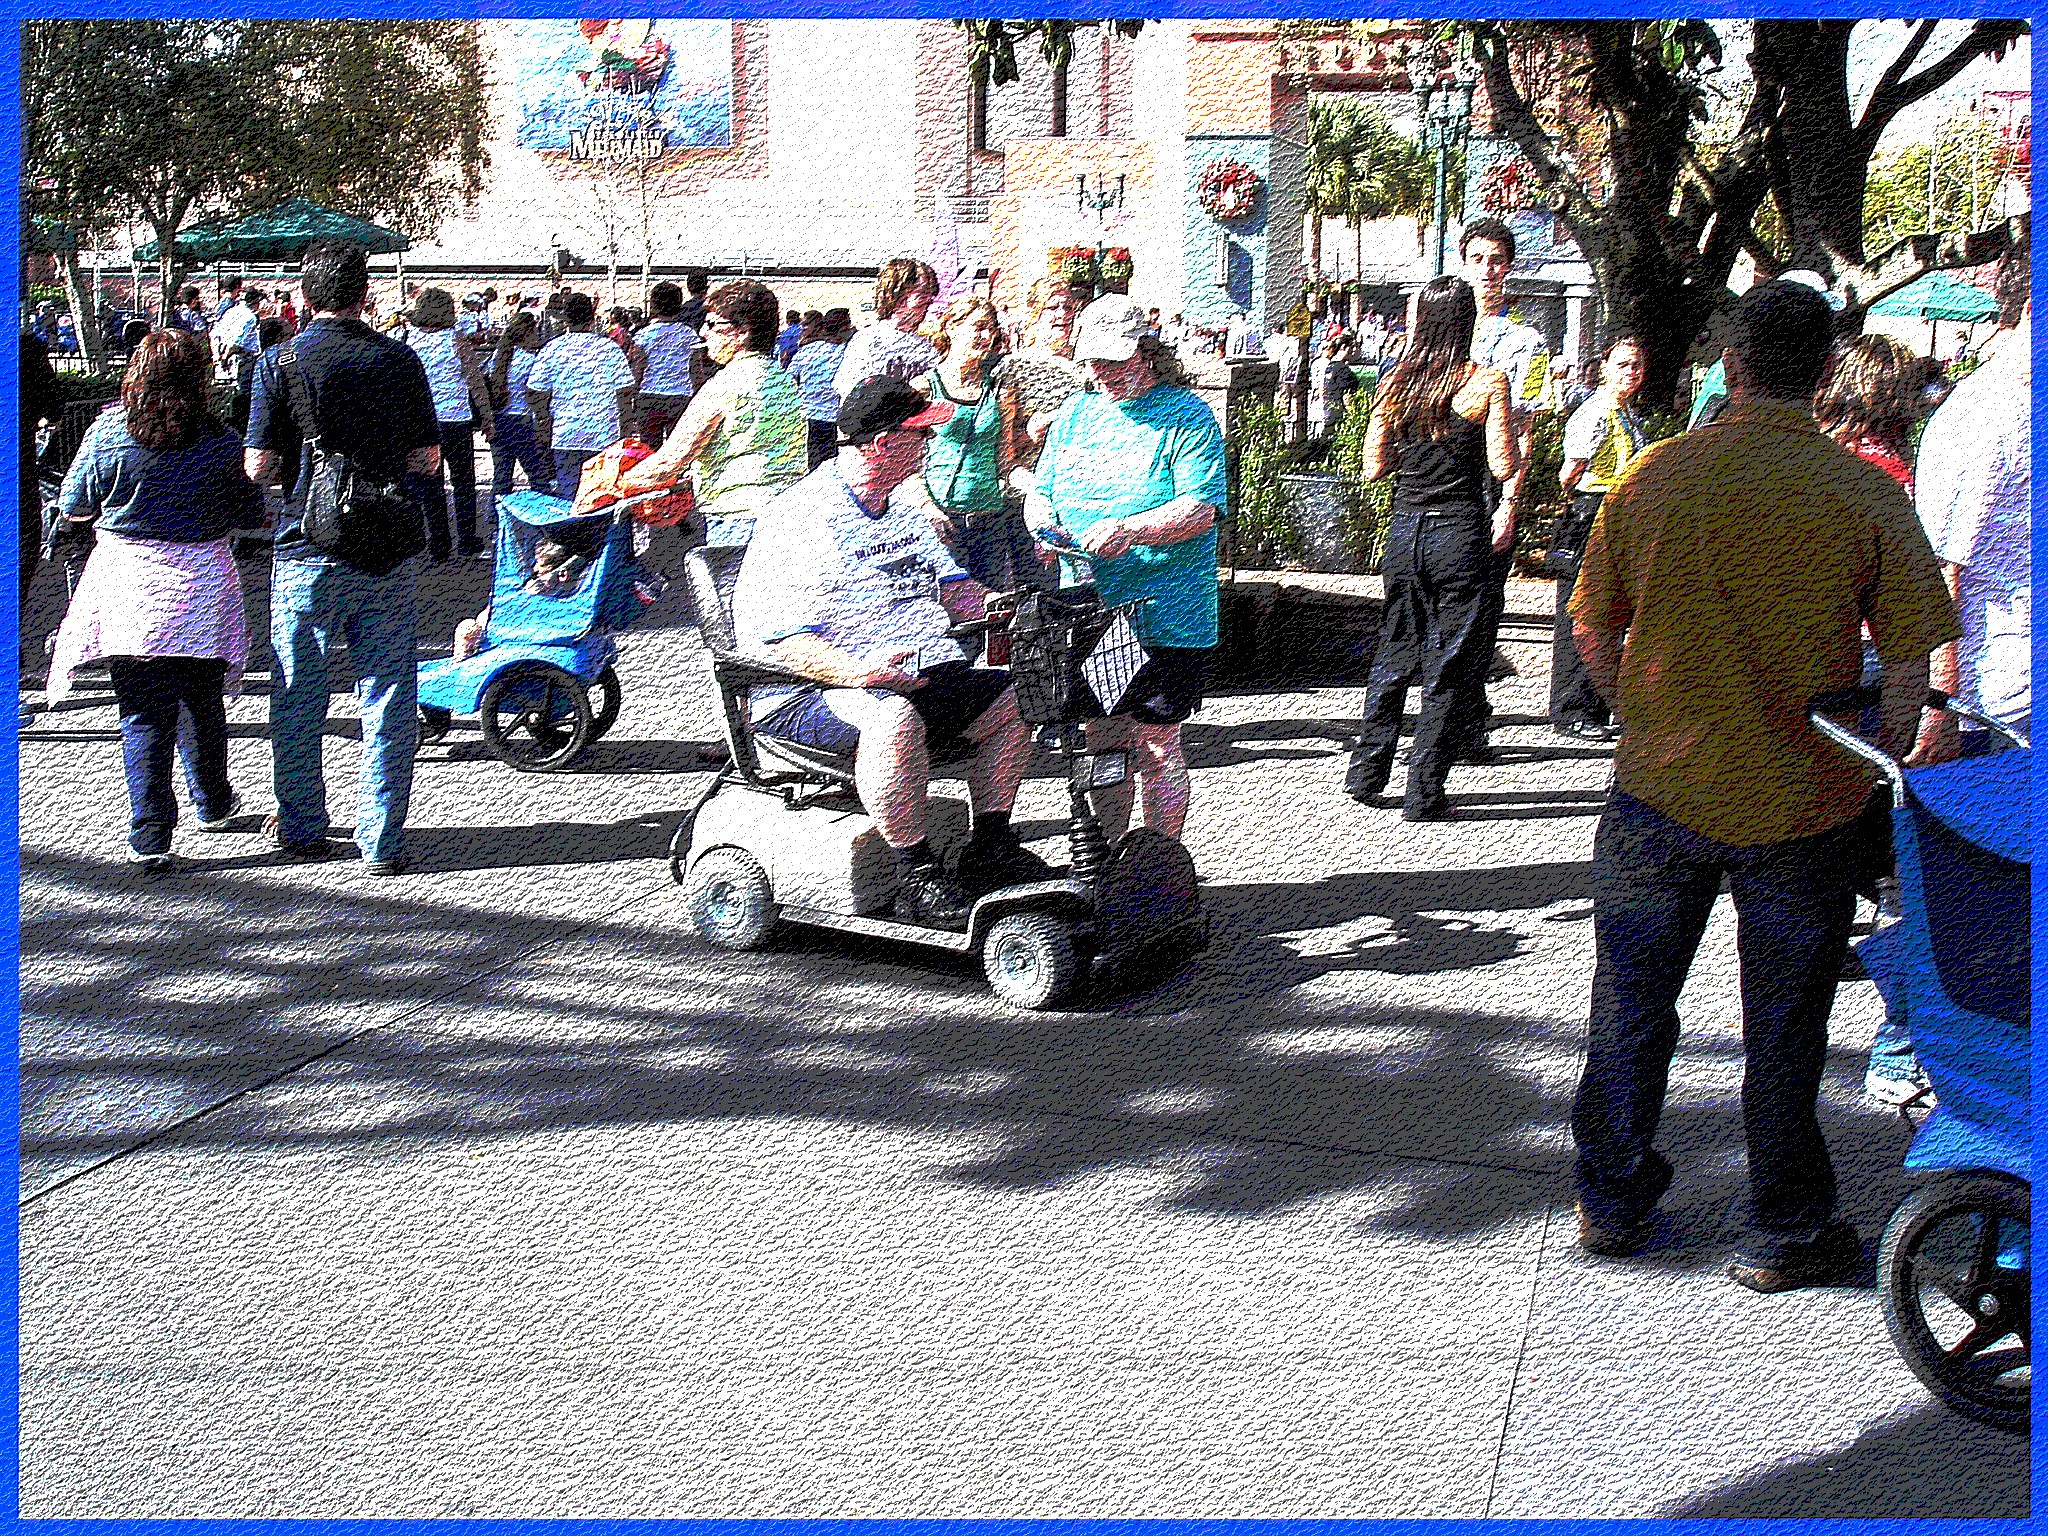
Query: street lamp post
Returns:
{"type": "Point", "coordinates": [1099, 201]}
{"type": "Point", "coordinates": [1445, 109]}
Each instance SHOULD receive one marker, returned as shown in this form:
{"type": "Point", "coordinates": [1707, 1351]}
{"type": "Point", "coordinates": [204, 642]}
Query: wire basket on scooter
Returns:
{"type": "Point", "coordinates": [1071, 657]}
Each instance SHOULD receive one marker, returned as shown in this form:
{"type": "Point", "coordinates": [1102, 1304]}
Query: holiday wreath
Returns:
{"type": "Point", "coordinates": [1228, 189]}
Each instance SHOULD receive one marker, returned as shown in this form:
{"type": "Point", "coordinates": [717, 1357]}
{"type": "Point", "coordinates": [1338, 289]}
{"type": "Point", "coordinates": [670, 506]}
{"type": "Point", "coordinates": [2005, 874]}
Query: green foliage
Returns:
{"type": "Point", "coordinates": [1370, 503]}
{"type": "Point", "coordinates": [1262, 535]}
{"type": "Point", "coordinates": [50, 293]}
{"type": "Point", "coordinates": [1360, 168]}
{"type": "Point", "coordinates": [1968, 162]}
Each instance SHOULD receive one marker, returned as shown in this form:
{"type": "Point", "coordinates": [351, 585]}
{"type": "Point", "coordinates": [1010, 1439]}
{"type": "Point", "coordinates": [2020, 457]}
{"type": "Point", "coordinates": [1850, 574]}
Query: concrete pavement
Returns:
{"type": "Point", "coordinates": [492, 1191]}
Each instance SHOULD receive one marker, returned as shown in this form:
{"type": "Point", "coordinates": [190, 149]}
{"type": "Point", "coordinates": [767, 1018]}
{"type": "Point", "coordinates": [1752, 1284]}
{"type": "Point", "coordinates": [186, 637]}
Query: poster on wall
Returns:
{"type": "Point", "coordinates": [595, 89]}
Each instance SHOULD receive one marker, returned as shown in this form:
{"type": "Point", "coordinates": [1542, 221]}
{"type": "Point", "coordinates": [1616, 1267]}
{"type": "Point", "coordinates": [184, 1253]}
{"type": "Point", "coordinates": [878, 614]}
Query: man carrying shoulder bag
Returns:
{"type": "Point", "coordinates": [352, 413]}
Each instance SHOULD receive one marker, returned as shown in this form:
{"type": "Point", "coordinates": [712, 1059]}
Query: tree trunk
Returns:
{"type": "Point", "coordinates": [1059, 101]}
{"type": "Point", "coordinates": [92, 345]}
{"type": "Point", "coordinates": [1825, 170]}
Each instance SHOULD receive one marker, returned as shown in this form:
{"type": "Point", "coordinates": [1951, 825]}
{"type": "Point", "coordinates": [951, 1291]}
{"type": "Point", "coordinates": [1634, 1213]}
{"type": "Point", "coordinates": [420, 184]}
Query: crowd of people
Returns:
{"type": "Point", "coordinates": [886, 482]}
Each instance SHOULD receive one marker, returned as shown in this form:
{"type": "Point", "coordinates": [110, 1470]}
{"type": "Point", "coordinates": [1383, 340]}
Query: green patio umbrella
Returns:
{"type": "Point", "coordinates": [283, 233]}
{"type": "Point", "coordinates": [194, 243]}
{"type": "Point", "coordinates": [1938, 296]}
{"type": "Point", "coordinates": [1935, 297]}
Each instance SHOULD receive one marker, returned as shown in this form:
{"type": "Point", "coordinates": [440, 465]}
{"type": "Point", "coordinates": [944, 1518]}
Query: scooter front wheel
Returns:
{"type": "Point", "coordinates": [1954, 1276]}
{"type": "Point", "coordinates": [1028, 958]}
{"type": "Point", "coordinates": [730, 899]}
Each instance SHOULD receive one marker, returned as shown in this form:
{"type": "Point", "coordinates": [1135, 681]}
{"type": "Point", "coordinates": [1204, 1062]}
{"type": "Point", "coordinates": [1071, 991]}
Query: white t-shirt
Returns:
{"type": "Point", "coordinates": [813, 369]}
{"type": "Point", "coordinates": [1972, 488]}
{"type": "Point", "coordinates": [820, 564]}
{"type": "Point", "coordinates": [668, 345]}
{"type": "Point", "coordinates": [238, 327]}
{"type": "Point", "coordinates": [882, 350]}
{"type": "Point", "coordinates": [1500, 341]}
{"type": "Point", "coordinates": [584, 372]}
{"type": "Point", "coordinates": [518, 369]}
{"type": "Point", "coordinates": [437, 354]}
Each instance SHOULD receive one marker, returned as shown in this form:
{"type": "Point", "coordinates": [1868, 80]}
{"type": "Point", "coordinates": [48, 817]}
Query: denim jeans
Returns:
{"type": "Point", "coordinates": [316, 603]}
{"type": "Point", "coordinates": [515, 444]}
{"type": "Point", "coordinates": [458, 468]}
{"type": "Point", "coordinates": [1654, 883]}
{"type": "Point", "coordinates": [1435, 570]}
{"type": "Point", "coordinates": [569, 464]}
{"type": "Point", "coordinates": [171, 704]}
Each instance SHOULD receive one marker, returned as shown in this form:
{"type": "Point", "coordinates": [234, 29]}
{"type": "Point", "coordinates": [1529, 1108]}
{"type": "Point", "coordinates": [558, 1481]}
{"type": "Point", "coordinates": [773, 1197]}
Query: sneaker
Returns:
{"type": "Point", "coordinates": [1584, 730]}
{"type": "Point", "coordinates": [1896, 1092]}
{"type": "Point", "coordinates": [152, 863]}
{"type": "Point", "coordinates": [226, 818]}
{"type": "Point", "coordinates": [1611, 1242]}
{"type": "Point", "coordinates": [1365, 782]}
{"type": "Point", "coordinates": [933, 899]}
{"type": "Point", "coordinates": [1833, 1257]}
{"type": "Point", "coordinates": [312, 848]}
{"type": "Point", "coordinates": [989, 867]}
{"type": "Point", "coordinates": [383, 868]}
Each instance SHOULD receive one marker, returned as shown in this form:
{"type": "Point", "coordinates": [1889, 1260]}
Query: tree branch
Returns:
{"type": "Point", "coordinates": [1895, 93]}
{"type": "Point", "coordinates": [1512, 112]}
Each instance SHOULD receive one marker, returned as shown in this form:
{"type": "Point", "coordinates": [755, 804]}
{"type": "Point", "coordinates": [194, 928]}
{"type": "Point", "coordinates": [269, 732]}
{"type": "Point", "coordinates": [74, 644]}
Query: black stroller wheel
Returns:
{"type": "Point", "coordinates": [535, 717]}
{"type": "Point", "coordinates": [605, 700]}
{"type": "Point", "coordinates": [1958, 1316]}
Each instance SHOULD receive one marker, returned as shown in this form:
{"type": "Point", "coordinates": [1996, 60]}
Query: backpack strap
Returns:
{"type": "Point", "coordinates": [300, 398]}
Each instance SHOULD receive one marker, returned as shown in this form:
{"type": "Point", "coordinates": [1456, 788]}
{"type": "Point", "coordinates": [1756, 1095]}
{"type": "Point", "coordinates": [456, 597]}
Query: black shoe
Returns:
{"type": "Point", "coordinates": [470, 552]}
{"type": "Point", "coordinates": [1479, 754]}
{"type": "Point", "coordinates": [985, 867]}
{"type": "Point", "coordinates": [1833, 1257]}
{"type": "Point", "coordinates": [1434, 807]}
{"type": "Point", "coordinates": [1611, 1242]}
{"type": "Point", "coordinates": [933, 899]}
{"type": "Point", "coordinates": [387, 867]}
{"type": "Point", "coordinates": [1584, 730]}
{"type": "Point", "coordinates": [307, 851]}
{"type": "Point", "coordinates": [1365, 783]}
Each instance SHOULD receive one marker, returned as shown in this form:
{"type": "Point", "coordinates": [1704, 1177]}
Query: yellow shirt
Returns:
{"type": "Point", "coordinates": [1742, 559]}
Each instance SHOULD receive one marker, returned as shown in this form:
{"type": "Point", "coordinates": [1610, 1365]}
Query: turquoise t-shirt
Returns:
{"type": "Point", "coordinates": [1105, 459]}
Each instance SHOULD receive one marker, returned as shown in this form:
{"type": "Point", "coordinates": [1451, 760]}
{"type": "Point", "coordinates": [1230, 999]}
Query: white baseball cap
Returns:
{"type": "Point", "coordinates": [1109, 330]}
{"type": "Point", "coordinates": [1806, 278]}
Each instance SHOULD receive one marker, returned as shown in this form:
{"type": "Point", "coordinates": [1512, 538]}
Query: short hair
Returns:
{"type": "Point", "coordinates": [1874, 392]}
{"type": "Point", "coordinates": [960, 315]}
{"type": "Point", "coordinates": [578, 308]}
{"type": "Point", "coordinates": [794, 318]}
{"type": "Point", "coordinates": [1783, 333]}
{"type": "Point", "coordinates": [666, 300]}
{"type": "Point", "coordinates": [2014, 281]}
{"type": "Point", "coordinates": [898, 276]}
{"type": "Point", "coordinates": [1043, 292]}
{"type": "Point", "coordinates": [190, 295]}
{"type": "Point", "coordinates": [697, 282]}
{"type": "Point", "coordinates": [230, 284]}
{"type": "Point", "coordinates": [1488, 229]}
{"type": "Point", "coordinates": [337, 275]}
{"type": "Point", "coordinates": [750, 305]}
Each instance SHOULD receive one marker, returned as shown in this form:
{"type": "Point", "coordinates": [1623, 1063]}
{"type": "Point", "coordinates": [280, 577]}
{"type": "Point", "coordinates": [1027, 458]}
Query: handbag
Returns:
{"type": "Point", "coordinates": [357, 516]}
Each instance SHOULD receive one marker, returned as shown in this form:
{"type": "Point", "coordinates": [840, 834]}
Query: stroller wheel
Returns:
{"type": "Point", "coordinates": [535, 717]}
{"type": "Point", "coordinates": [1955, 1275]}
{"type": "Point", "coordinates": [434, 724]}
{"type": "Point", "coordinates": [605, 699]}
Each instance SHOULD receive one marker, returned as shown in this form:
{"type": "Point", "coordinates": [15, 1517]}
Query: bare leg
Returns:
{"type": "Point", "coordinates": [1162, 777]}
{"type": "Point", "coordinates": [999, 767]}
{"type": "Point", "coordinates": [891, 767]}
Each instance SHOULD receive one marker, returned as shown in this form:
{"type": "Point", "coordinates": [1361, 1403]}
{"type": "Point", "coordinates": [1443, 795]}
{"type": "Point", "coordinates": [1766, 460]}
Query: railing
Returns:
{"type": "Point", "coordinates": [965, 210]}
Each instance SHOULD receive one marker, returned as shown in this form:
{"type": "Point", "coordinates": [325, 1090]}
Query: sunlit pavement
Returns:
{"type": "Point", "coordinates": [491, 1191]}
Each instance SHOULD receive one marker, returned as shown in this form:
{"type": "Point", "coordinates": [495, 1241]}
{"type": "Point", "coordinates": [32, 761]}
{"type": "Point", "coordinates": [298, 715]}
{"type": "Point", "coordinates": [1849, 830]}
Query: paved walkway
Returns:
{"type": "Point", "coordinates": [492, 1191]}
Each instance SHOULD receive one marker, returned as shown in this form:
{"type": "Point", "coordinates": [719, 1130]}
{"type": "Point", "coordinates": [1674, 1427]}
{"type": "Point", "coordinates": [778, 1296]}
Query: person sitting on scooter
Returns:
{"type": "Point", "coordinates": [845, 588]}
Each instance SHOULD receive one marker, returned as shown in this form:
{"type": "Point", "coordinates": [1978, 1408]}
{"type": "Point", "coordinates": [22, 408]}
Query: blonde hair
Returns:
{"type": "Point", "coordinates": [1874, 392]}
{"type": "Point", "coordinates": [1043, 292]}
{"type": "Point", "coordinates": [898, 276]}
{"type": "Point", "coordinates": [959, 316]}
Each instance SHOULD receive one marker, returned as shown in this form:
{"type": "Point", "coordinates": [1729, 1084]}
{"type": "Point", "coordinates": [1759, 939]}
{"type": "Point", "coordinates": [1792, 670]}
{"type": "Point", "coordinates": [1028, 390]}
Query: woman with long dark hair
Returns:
{"type": "Point", "coordinates": [1440, 425]}
{"type": "Point", "coordinates": [160, 478]}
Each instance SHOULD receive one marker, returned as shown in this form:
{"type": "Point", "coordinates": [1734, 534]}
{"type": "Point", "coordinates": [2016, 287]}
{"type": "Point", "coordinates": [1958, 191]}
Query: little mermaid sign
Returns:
{"type": "Point", "coordinates": [601, 89]}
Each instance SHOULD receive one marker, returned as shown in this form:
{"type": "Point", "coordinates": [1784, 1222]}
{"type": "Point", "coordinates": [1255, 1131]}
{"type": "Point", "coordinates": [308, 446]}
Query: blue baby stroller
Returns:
{"type": "Point", "coordinates": [543, 687]}
{"type": "Point", "coordinates": [1953, 1269]}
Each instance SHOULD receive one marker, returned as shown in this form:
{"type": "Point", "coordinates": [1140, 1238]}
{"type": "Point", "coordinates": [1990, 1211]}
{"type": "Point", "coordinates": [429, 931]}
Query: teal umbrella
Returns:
{"type": "Point", "coordinates": [1938, 296]}
{"type": "Point", "coordinates": [283, 233]}
{"type": "Point", "coordinates": [194, 243]}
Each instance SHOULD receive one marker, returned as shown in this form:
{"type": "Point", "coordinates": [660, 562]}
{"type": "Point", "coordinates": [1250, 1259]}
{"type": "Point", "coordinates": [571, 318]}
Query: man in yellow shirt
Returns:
{"type": "Point", "coordinates": [1738, 561]}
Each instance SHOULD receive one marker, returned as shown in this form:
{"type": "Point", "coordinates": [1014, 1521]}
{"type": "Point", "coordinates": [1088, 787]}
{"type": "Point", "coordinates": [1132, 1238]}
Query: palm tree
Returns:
{"type": "Point", "coordinates": [994, 59]}
{"type": "Point", "coordinates": [1331, 140]}
{"type": "Point", "coordinates": [1359, 168]}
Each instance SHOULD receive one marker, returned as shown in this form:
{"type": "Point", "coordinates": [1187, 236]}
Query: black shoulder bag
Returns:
{"type": "Point", "coordinates": [358, 517]}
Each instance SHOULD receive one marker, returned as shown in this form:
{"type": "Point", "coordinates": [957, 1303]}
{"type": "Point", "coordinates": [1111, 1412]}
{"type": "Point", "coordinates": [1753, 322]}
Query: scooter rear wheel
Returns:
{"type": "Point", "coordinates": [1028, 958]}
{"type": "Point", "coordinates": [1957, 1314]}
{"type": "Point", "coordinates": [730, 899]}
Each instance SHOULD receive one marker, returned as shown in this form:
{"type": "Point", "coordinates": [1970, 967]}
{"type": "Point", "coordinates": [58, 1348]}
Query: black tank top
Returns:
{"type": "Point", "coordinates": [1443, 477]}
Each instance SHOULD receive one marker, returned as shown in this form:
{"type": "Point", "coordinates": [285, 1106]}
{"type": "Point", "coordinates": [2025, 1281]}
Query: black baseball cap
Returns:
{"type": "Point", "coordinates": [884, 404]}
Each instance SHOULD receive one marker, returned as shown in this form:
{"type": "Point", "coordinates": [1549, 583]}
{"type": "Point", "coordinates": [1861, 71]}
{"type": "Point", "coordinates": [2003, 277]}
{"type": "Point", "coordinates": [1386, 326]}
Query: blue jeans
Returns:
{"type": "Point", "coordinates": [1654, 883]}
{"type": "Point", "coordinates": [314, 603]}
{"type": "Point", "coordinates": [514, 443]}
{"type": "Point", "coordinates": [569, 464]}
{"type": "Point", "coordinates": [171, 704]}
